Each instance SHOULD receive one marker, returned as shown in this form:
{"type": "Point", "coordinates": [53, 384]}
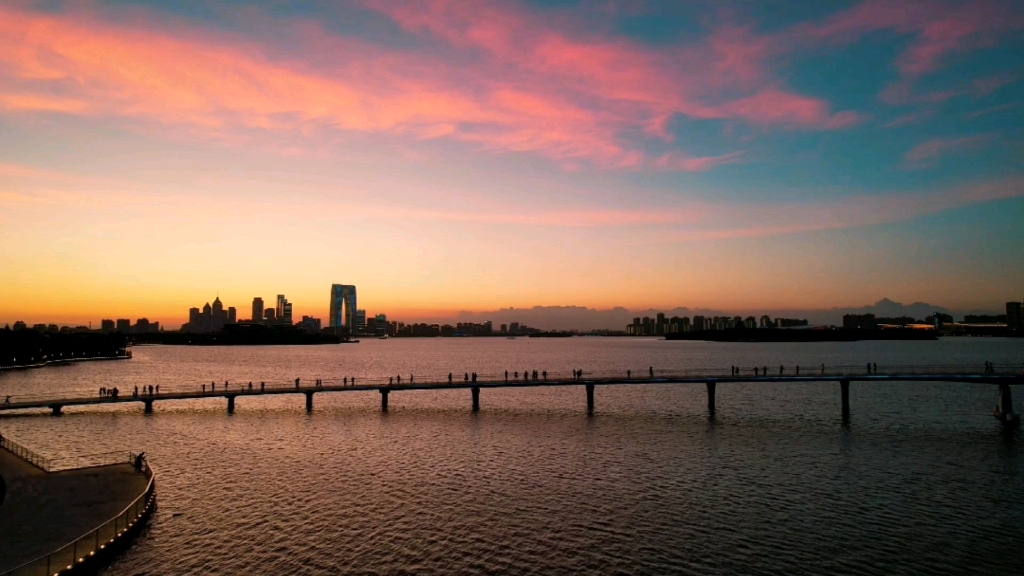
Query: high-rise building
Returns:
{"type": "Point", "coordinates": [279, 308]}
{"type": "Point", "coordinates": [124, 325]}
{"type": "Point", "coordinates": [269, 315]}
{"type": "Point", "coordinates": [360, 320]}
{"type": "Point", "coordinates": [257, 310]}
{"type": "Point", "coordinates": [381, 324]}
{"type": "Point", "coordinates": [286, 318]}
{"type": "Point", "coordinates": [232, 315]}
{"type": "Point", "coordinates": [1014, 318]}
{"type": "Point", "coordinates": [343, 307]}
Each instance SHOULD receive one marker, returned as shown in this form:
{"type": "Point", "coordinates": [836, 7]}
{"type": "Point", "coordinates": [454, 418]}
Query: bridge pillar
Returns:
{"type": "Point", "coordinates": [149, 406]}
{"type": "Point", "coordinates": [590, 399]}
{"type": "Point", "coordinates": [476, 398]}
{"type": "Point", "coordinates": [711, 398]}
{"type": "Point", "coordinates": [231, 404]}
{"type": "Point", "coordinates": [844, 388]}
{"type": "Point", "coordinates": [384, 400]}
{"type": "Point", "coordinates": [56, 408]}
{"type": "Point", "coordinates": [309, 402]}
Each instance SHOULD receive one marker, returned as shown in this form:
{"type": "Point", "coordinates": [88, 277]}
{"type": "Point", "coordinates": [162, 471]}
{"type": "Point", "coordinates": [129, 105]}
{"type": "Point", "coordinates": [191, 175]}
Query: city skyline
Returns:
{"type": "Point", "coordinates": [471, 157]}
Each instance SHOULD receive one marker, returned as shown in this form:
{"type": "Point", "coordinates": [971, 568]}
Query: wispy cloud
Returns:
{"type": "Point", "coordinates": [925, 153]}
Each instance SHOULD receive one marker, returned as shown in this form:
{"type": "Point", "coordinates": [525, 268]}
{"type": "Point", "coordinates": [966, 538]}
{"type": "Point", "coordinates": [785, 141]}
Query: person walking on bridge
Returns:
{"type": "Point", "coordinates": [651, 370]}
{"type": "Point", "coordinates": [506, 375]}
{"type": "Point", "coordinates": [213, 386]}
{"type": "Point", "coordinates": [250, 385]}
{"type": "Point", "coordinates": [263, 385]}
{"type": "Point", "coordinates": [398, 379]}
{"type": "Point", "coordinates": [158, 389]}
{"type": "Point", "coordinates": [544, 374]}
{"type": "Point", "coordinates": [296, 383]}
{"type": "Point", "coordinates": [135, 392]}
{"type": "Point", "coordinates": [465, 377]}
{"type": "Point", "coordinates": [781, 369]}
{"type": "Point", "coordinates": [450, 377]}
{"type": "Point", "coordinates": [797, 369]}
{"type": "Point", "coordinates": [629, 374]}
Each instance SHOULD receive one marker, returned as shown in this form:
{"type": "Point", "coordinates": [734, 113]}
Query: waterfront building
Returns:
{"type": "Point", "coordinates": [1014, 316]}
{"type": "Point", "coordinates": [698, 323]}
{"type": "Point", "coordinates": [504, 328]}
{"type": "Point", "coordinates": [107, 325]}
{"type": "Point", "coordinates": [279, 308]}
{"type": "Point", "coordinates": [360, 320]}
{"type": "Point", "coordinates": [513, 328]}
{"type": "Point", "coordinates": [286, 314]}
{"type": "Point", "coordinates": [750, 322]}
{"type": "Point", "coordinates": [766, 322]}
{"type": "Point", "coordinates": [232, 315]}
{"type": "Point", "coordinates": [269, 316]}
{"type": "Point", "coordinates": [257, 310]}
{"type": "Point", "coordinates": [381, 324]}
{"type": "Point", "coordinates": [124, 325]}
{"type": "Point", "coordinates": [343, 307]}
{"type": "Point", "coordinates": [310, 324]}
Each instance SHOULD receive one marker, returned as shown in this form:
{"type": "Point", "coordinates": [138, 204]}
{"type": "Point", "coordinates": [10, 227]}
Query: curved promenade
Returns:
{"type": "Point", "coordinates": [56, 521]}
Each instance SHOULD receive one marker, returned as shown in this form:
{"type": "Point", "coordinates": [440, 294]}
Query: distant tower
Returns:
{"type": "Point", "coordinates": [257, 310]}
{"type": "Point", "coordinates": [343, 307]}
{"type": "Point", "coordinates": [279, 309]}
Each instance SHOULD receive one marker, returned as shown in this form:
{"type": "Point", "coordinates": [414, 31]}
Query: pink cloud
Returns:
{"type": "Point", "coordinates": [925, 153]}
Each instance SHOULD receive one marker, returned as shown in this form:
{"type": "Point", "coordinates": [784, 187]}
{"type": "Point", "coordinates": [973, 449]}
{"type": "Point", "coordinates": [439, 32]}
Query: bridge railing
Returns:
{"type": "Point", "coordinates": [636, 373]}
{"type": "Point", "coordinates": [95, 541]}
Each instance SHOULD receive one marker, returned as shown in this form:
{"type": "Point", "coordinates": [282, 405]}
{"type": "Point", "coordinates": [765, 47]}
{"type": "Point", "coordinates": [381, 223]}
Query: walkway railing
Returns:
{"type": "Point", "coordinates": [94, 542]}
{"type": "Point", "coordinates": [25, 454]}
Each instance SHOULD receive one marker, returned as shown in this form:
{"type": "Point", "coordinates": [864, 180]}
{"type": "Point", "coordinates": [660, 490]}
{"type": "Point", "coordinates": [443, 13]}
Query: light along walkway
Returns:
{"type": "Point", "coordinates": [1002, 380]}
{"type": "Point", "coordinates": [53, 521]}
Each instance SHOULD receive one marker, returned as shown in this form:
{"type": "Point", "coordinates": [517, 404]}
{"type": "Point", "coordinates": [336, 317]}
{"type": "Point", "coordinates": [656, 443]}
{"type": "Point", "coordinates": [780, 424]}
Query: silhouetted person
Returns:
{"type": "Point", "coordinates": [544, 374]}
{"type": "Point", "coordinates": [651, 370]}
{"type": "Point", "coordinates": [797, 369]}
{"type": "Point", "coordinates": [869, 367]}
{"type": "Point", "coordinates": [345, 381]}
{"type": "Point", "coordinates": [296, 383]}
{"type": "Point", "coordinates": [204, 388]}
{"type": "Point", "coordinates": [629, 374]}
{"type": "Point", "coordinates": [506, 375]}
{"type": "Point", "coordinates": [411, 379]}
{"type": "Point", "coordinates": [263, 386]}
{"type": "Point", "coordinates": [764, 370]}
{"type": "Point", "coordinates": [781, 369]}
{"type": "Point", "coordinates": [157, 388]}
{"type": "Point", "coordinates": [138, 461]}
{"type": "Point", "coordinates": [250, 386]}
{"type": "Point", "coordinates": [465, 378]}
{"type": "Point", "coordinates": [517, 375]}
{"type": "Point", "coordinates": [213, 386]}
{"type": "Point", "coordinates": [135, 392]}
{"type": "Point", "coordinates": [114, 393]}
{"type": "Point", "coordinates": [450, 376]}
{"type": "Point", "coordinates": [398, 379]}
{"type": "Point", "coordinates": [353, 380]}
{"type": "Point", "coordinates": [150, 389]}
{"type": "Point", "coordinates": [755, 371]}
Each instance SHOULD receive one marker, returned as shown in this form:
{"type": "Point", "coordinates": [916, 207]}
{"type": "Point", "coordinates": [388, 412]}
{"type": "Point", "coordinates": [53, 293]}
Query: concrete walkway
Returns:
{"type": "Point", "coordinates": [43, 511]}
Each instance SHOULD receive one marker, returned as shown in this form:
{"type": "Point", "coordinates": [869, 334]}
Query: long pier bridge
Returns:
{"type": "Point", "coordinates": [147, 396]}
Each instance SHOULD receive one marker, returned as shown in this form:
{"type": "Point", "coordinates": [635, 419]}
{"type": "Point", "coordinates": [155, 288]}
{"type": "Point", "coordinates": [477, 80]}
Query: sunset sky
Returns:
{"type": "Point", "coordinates": [446, 156]}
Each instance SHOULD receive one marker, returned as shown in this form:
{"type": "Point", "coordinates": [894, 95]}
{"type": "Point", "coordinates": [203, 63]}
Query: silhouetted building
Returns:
{"type": "Point", "coordinates": [859, 322]}
{"type": "Point", "coordinates": [269, 316]}
{"type": "Point", "coordinates": [343, 308]}
{"type": "Point", "coordinates": [107, 326]}
{"type": "Point", "coordinates": [257, 310]}
{"type": "Point", "coordinates": [789, 322]}
{"type": "Point", "coordinates": [380, 324]}
{"type": "Point", "coordinates": [279, 308]}
{"type": "Point", "coordinates": [286, 317]}
{"type": "Point", "coordinates": [124, 325]}
{"type": "Point", "coordinates": [232, 315]}
{"type": "Point", "coordinates": [360, 320]}
{"type": "Point", "coordinates": [310, 324]}
{"type": "Point", "coordinates": [504, 328]}
{"type": "Point", "coordinates": [1014, 318]}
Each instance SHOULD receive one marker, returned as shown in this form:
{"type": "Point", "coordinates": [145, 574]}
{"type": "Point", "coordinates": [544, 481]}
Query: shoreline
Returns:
{"type": "Point", "coordinates": [46, 363]}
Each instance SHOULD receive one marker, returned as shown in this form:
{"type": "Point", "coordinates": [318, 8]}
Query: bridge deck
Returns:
{"type": "Point", "coordinates": [460, 384]}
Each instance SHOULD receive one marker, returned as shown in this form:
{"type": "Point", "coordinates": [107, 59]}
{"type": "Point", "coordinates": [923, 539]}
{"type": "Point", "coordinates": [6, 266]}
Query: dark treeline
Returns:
{"type": "Point", "coordinates": [29, 347]}
{"type": "Point", "coordinates": [241, 335]}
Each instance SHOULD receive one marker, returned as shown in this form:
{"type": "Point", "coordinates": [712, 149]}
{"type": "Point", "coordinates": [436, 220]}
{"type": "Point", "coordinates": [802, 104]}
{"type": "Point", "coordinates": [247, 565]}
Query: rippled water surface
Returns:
{"type": "Point", "coordinates": [921, 482]}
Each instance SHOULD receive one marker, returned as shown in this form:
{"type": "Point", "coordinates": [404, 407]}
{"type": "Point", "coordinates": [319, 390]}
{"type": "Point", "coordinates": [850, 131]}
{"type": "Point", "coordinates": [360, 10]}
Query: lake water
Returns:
{"type": "Point", "coordinates": [921, 482]}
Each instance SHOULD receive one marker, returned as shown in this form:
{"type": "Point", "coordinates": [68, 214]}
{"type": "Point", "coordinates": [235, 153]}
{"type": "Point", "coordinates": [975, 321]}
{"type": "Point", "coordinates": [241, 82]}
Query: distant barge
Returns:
{"type": "Point", "coordinates": [804, 335]}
